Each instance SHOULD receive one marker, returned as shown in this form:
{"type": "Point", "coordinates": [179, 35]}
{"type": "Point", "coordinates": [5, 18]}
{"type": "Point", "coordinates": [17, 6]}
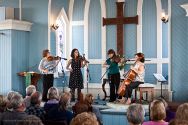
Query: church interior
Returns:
{"type": "Point", "coordinates": [156, 28]}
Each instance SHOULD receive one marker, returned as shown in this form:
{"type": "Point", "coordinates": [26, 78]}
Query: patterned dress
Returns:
{"type": "Point", "coordinates": [76, 80]}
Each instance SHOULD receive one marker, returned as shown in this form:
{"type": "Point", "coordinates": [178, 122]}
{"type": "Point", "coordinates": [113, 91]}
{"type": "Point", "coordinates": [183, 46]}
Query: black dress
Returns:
{"type": "Point", "coordinates": [76, 80]}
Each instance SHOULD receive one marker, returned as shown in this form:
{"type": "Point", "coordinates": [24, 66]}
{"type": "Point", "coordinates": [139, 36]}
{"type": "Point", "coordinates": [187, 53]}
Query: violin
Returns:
{"type": "Point", "coordinates": [52, 58]}
{"type": "Point", "coordinates": [116, 59]}
{"type": "Point", "coordinates": [82, 58]}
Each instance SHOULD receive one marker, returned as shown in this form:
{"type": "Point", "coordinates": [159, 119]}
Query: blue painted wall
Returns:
{"type": "Point", "coordinates": [56, 7]}
{"type": "Point", "coordinates": [94, 29]}
{"type": "Point", "coordinates": [149, 28]}
{"type": "Point", "coordinates": [111, 29]}
{"type": "Point", "coordinates": [179, 51]}
{"type": "Point", "coordinates": [78, 38]}
{"type": "Point", "coordinates": [5, 62]}
{"type": "Point", "coordinates": [130, 30]}
{"type": "Point", "coordinates": [78, 10]}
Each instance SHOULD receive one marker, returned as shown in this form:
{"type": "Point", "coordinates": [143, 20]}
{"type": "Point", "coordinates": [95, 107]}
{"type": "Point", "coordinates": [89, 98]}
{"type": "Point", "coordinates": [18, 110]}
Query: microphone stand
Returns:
{"type": "Point", "coordinates": [88, 76]}
{"type": "Point", "coordinates": [63, 73]}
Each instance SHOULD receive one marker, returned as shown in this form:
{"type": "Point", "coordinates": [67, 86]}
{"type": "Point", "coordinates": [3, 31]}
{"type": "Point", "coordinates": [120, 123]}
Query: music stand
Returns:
{"type": "Point", "coordinates": [160, 78]}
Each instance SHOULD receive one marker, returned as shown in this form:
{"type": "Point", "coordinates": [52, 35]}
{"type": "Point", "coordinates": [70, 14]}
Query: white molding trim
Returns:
{"type": "Point", "coordinates": [86, 37]}
{"type": "Point", "coordinates": [185, 6]}
{"type": "Point", "coordinates": [63, 15]}
{"type": "Point", "coordinates": [15, 25]}
{"type": "Point", "coordinates": [139, 26]}
{"type": "Point", "coordinates": [77, 23]}
{"type": "Point", "coordinates": [169, 52]}
{"type": "Point", "coordinates": [103, 35]}
{"type": "Point", "coordinates": [49, 22]}
{"type": "Point", "coordinates": [71, 5]}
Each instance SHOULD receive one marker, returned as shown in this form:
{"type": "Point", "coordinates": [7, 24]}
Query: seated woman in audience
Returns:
{"type": "Point", "coordinates": [169, 114]}
{"type": "Point", "coordinates": [11, 117]}
{"type": "Point", "coordinates": [157, 114]}
{"type": "Point", "coordinates": [181, 117]}
{"type": "Point", "coordinates": [80, 106]}
{"type": "Point", "coordinates": [34, 108]}
{"type": "Point", "coordinates": [88, 101]}
{"type": "Point", "coordinates": [135, 114]}
{"type": "Point", "coordinates": [53, 99]}
{"type": "Point", "coordinates": [85, 119]}
{"type": "Point", "coordinates": [29, 91]}
{"type": "Point", "coordinates": [30, 120]}
{"type": "Point", "coordinates": [60, 113]}
{"type": "Point", "coordinates": [8, 99]}
{"type": "Point", "coordinates": [2, 104]}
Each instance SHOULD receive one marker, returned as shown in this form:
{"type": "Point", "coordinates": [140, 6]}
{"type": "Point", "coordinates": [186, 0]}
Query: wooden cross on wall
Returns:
{"type": "Point", "coordinates": [119, 21]}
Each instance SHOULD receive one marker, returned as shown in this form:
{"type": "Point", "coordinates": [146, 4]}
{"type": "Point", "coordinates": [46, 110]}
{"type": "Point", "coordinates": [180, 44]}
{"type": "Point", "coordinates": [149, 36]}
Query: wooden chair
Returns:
{"type": "Point", "coordinates": [147, 88]}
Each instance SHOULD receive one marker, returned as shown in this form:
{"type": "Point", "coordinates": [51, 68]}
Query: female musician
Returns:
{"type": "Point", "coordinates": [47, 68]}
{"type": "Point", "coordinates": [139, 68]}
{"type": "Point", "coordinates": [113, 74]}
{"type": "Point", "coordinates": [76, 80]}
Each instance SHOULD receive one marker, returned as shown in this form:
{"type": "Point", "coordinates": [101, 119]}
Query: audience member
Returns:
{"type": "Point", "coordinates": [18, 111]}
{"type": "Point", "coordinates": [157, 114]}
{"type": "Point", "coordinates": [89, 101]}
{"type": "Point", "coordinates": [85, 119]}
{"type": "Point", "coordinates": [169, 114]}
{"type": "Point", "coordinates": [135, 114]}
{"type": "Point", "coordinates": [60, 112]}
{"type": "Point", "coordinates": [80, 106]}
{"type": "Point", "coordinates": [30, 120]}
{"type": "Point", "coordinates": [34, 108]}
{"type": "Point", "coordinates": [53, 99]}
{"type": "Point", "coordinates": [8, 99]}
{"type": "Point", "coordinates": [2, 104]}
{"type": "Point", "coordinates": [182, 112]}
{"type": "Point", "coordinates": [29, 90]}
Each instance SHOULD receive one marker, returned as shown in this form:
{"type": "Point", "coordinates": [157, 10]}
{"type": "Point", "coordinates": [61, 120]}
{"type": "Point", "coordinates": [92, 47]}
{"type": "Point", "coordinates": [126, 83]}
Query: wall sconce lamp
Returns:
{"type": "Point", "coordinates": [164, 17]}
{"type": "Point", "coordinates": [54, 26]}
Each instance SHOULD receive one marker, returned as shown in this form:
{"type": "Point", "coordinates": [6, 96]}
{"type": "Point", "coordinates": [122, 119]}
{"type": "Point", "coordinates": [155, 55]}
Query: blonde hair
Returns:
{"type": "Point", "coordinates": [53, 93]}
{"type": "Point", "coordinates": [157, 110]}
{"type": "Point", "coordinates": [85, 119]}
{"type": "Point", "coordinates": [182, 112]}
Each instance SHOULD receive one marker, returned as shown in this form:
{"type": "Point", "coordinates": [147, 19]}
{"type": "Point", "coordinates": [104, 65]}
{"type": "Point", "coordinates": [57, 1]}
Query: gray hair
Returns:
{"type": "Point", "coordinates": [16, 101]}
{"type": "Point", "coordinates": [30, 89]}
{"type": "Point", "coordinates": [53, 93]}
{"type": "Point", "coordinates": [10, 95]}
{"type": "Point", "coordinates": [135, 114]}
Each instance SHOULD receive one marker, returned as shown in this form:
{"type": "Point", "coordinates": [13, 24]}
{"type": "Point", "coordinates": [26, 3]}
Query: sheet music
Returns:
{"type": "Point", "coordinates": [159, 77]}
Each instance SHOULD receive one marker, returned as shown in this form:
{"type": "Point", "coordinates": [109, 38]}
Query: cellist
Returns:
{"type": "Point", "coordinates": [139, 68]}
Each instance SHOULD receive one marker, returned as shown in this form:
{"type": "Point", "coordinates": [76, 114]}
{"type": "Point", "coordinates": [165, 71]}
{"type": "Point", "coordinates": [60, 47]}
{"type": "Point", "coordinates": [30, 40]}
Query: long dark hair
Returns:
{"type": "Point", "coordinates": [141, 57]}
{"type": "Point", "coordinates": [72, 53]}
{"type": "Point", "coordinates": [111, 51]}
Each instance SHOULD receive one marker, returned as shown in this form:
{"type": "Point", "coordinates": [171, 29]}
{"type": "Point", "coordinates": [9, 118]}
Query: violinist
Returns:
{"type": "Point", "coordinates": [139, 69]}
{"type": "Point", "coordinates": [47, 68]}
{"type": "Point", "coordinates": [74, 66]}
{"type": "Point", "coordinates": [113, 73]}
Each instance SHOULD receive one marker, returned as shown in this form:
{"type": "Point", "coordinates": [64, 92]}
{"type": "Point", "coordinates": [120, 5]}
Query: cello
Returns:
{"type": "Point", "coordinates": [129, 77]}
